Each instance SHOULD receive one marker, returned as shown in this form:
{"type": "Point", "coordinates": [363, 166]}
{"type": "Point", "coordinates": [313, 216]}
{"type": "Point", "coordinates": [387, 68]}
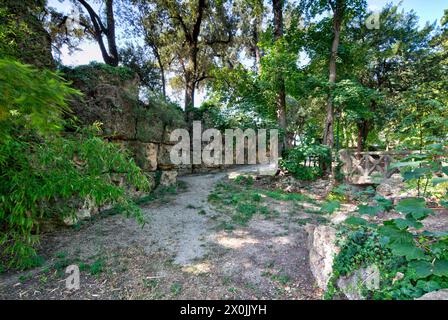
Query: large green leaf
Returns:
{"type": "Point", "coordinates": [414, 207]}
{"type": "Point", "coordinates": [386, 204]}
{"type": "Point", "coordinates": [422, 269]}
{"type": "Point", "coordinates": [403, 224]}
{"type": "Point", "coordinates": [441, 268]}
{"type": "Point", "coordinates": [415, 173]}
{"type": "Point", "coordinates": [444, 203]}
{"type": "Point", "coordinates": [428, 286]}
{"type": "Point", "coordinates": [356, 221]}
{"type": "Point", "coordinates": [405, 204]}
{"type": "Point", "coordinates": [410, 251]}
{"type": "Point", "coordinates": [369, 210]}
{"type": "Point", "coordinates": [330, 206]}
{"type": "Point", "coordinates": [401, 242]}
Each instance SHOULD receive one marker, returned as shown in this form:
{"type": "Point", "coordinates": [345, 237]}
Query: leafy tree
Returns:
{"type": "Point", "coordinates": [194, 33]}
{"type": "Point", "coordinates": [342, 10]}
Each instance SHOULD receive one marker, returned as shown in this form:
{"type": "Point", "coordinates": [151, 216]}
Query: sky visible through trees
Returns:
{"type": "Point", "coordinates": [90, 51]}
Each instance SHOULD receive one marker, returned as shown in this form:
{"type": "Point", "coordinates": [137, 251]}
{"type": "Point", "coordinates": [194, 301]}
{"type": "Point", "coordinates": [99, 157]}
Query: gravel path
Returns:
{"type": "Point", "coordinates": [179, 254]}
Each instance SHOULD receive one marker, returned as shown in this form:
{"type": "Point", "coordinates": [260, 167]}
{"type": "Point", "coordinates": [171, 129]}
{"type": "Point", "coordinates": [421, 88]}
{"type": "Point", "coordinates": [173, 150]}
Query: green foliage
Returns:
{"type": "Point", "coordinates": [330, 206]}
{"type": "Point", "coordinates": [31, 99]}
{"type": "Point", "coordinates": [95, 72]}
{"type": "Point", "coordinates": [46, 180]}
{"type": "Point", "coordinates": [296, 159]}
{"type": "Point", "coordinates": [242, 200]}
{"type": "Point", "coordinates": [47, 176]}
{"type": "Point", "coordinates": [245, 180]}
{"type": "Point", "coordinates": [422, 257]}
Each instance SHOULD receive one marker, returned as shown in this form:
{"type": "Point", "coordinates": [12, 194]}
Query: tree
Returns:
{"type": "Point", "coordinates": [98, 29]}
{"type": "Point", "coordinates": [341, 10]}
{"type": "Point", "coordinates": [281, 94]}
{"type": "Point", "coordinates": [195, 32]}
{"type": "Point", "coordinates": [147, 23]}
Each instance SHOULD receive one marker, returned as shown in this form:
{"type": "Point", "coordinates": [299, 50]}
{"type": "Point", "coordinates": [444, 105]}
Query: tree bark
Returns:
{"type": "Point", "coordinates": [191, 69]}
{"type": "Point", "coordinates": [110, 54]}
{"type": "Point", "coordinates": [363, 132]}
{"type": "Point", "coordinates": [189, 98]}
{"type": "Point", "coordinates": [256, 48]}
{"type": "Point", "coordinates": [281, 94]}
{"type": "Point", "coordinates": [338, 14]}
{"type": "Point", "coordinates": [110, 34]}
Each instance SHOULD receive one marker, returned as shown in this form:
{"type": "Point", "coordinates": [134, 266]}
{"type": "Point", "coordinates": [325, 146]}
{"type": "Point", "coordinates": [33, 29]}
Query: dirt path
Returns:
{"type": "Point", "coordinates": [181, 253]}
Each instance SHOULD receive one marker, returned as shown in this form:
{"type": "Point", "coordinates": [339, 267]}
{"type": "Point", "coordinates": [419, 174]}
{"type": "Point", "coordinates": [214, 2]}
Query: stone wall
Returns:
{"type": "Point", "coordinates": [111, 98]}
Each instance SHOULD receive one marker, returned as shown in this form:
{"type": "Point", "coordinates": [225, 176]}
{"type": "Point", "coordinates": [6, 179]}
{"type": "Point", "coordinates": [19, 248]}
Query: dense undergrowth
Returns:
{"type": "Point", "coordinates": [411, 259]}
{"type": "Point", "coordinates": [46, 174]}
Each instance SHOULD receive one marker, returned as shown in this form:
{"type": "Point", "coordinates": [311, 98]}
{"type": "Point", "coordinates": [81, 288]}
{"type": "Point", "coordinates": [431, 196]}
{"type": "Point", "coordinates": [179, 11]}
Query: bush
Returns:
{"type": "Point", "coordinates": [44, 173]}
{"type": "Point", "coordinates": [298, 161]}
{"type": "Point", "coordinates": [397, 246]}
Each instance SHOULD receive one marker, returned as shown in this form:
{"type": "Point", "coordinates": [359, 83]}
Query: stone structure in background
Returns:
{"type": "Point", "coordinates": [111, 98]}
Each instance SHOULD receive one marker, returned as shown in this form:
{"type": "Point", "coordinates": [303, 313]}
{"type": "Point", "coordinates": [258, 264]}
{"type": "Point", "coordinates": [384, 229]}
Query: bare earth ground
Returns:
{"type": "Point", "coordinates": [181, 253]}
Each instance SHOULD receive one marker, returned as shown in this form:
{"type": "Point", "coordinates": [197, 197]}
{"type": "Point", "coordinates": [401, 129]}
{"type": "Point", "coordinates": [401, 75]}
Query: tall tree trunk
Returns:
{"type": "Point", "coordinates": [191, 68]}
{"type": "Point", "coordinates": [281, 95]}
{"type": "Point", "coordinates": [329, 121]}
{"type": "Point", "coordinates": [110, 34]}
{"type": "Point", "coordinates": [162, 72]}
{"type": "Point", "coordinates": [363, 132]}
{"type": "Point", "coordinates": [256, 48]}
{"type": "Point", "coordinates": [189, 98]}
{"type": "Point", "coordinates": [109, 53]}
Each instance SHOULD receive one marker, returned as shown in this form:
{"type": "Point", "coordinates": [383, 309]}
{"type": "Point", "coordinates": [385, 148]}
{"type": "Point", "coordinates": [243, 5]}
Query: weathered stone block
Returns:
{"type": "Point", "coordinates": [163, 158]}
{"type": "Point", "coordinates": [322, 247]}
{"type": "Point", "coordinates": [435, 295]}
{"type": "Point", "coordinates": [145, 154]}
{"type": "Point", "coordinates": [168, 178]}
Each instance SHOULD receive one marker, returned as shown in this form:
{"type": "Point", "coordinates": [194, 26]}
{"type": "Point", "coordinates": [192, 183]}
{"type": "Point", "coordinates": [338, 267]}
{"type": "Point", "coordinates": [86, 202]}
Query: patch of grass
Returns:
{"type": "Point", "coordinates": [256, 197]}
{"type": "Point", "coordinates": [226, 226]}
{"type": "Point", "coordinates": [146, 199]}
{"type": "Point", "coordinates": [43, 279]}
{"type": "Point", "coordinates": [232, 290]}
{"type": "Point", "coordinates": [321, 220]}
{"type": "Point", "coordinates": [213, 197]}
{"type": "Point", "coordinates": [226, 280]}
{"type": "Point", "coordinates": [84, 266]}
{"type": "Point", "coordinates": [25, 277]}
{"type": "Point", "coordinates": [161, 192]}
{"type": "Point", "coordinates": [240, 200]}
{"type": "Point", "coordinates": [311, 211]}
{"type": "Point", "coordinates": [251, 286]}
{"type": "Point", "coordinates": [176, 288]}
{"type": "Point", "coordinates": [282, 278]}
{"type": "Point", "coordinates": [150, 283]}
{"type": "Point", "coordinates": [244, 180]}
{"type": "Point", "coordinates": [264, 211]}
{"type": "Point", "coordinates": [330, 206]}
{"type": "Point", "coordinates": [284, 196]}
{"type": "Point", "coordinates": [97, 267]}
{"type": "Point", "coordinates": [244, 213]}
{"type": "Point", "coordinates": [304, 221]}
